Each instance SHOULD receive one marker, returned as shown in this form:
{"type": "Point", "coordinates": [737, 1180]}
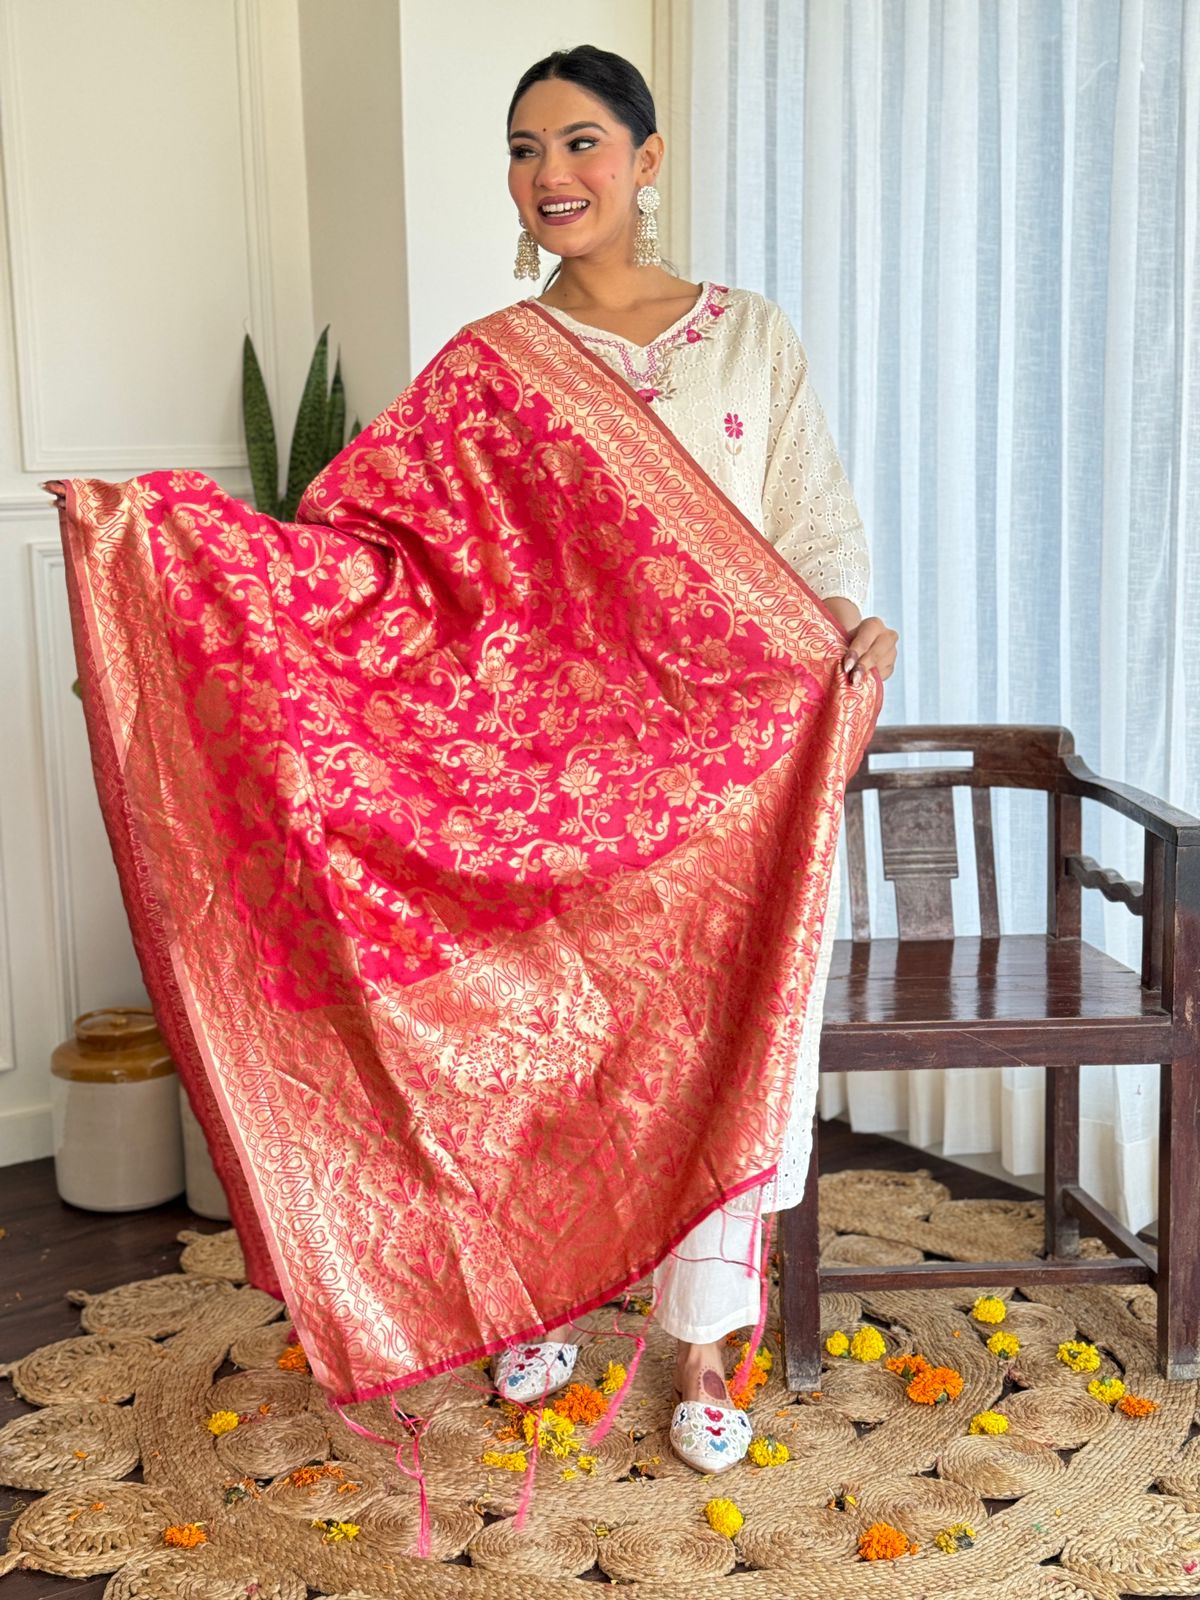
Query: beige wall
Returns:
{"type": "Point", "coordinates": [173, 174]}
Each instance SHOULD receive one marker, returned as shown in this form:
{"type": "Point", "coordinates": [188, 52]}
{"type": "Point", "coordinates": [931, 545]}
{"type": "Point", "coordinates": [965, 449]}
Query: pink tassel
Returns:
{"type": "Point", "coordinates": [614, 1405]}
{"type": "Point", "coordinates": [741, 1376]}
{"type": "Point", "coordinates": [415, 1472]}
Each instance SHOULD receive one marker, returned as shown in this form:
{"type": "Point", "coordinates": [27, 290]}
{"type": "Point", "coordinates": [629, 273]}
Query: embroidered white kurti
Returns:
{"type": "Point", "coordinates": [730, 379]}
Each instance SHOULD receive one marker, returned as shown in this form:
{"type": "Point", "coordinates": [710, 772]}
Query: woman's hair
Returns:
{"type": "Point", "coordinates": [615, 82]}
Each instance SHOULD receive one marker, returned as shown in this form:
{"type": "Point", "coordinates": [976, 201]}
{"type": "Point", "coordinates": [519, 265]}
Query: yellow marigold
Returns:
{"type": "Point", "coordinates": [1133, 1405]}
{"type": "Point", "coordinates": [935, 1386]}
{"type": "Point", "coordinates": [868, 1344]}
{"type": "Point", "coordinates": [1080, 1357]}
{"type": "Point", "coordinates": [989, 1308]}
{"type": "Point", "coordinates": [553, 1432]}
{"type": "Point", "coordinates": [882, 1542]}
{"type": "Point", "coordinates": [1109, 1390]}
{"type": "Point", "coordinates": [723, 1517]}
{"type": "Point", "coordinates": [333, 1531]}
{"type": "Point", "coordinates": [768, 1452]}
{"type": "Point", "coordinates": [185, 1535]}
{"type": "Point", "coordinates": [837, 1344]}
{"type": "Point", "coordinates": [614, 1377]}
{"type": "Point", "coordinates": [292, 1359]}
{"type": "Point", "coordinates": [1004, 1345]}
{"type": "Point", "coordinates": [510, 1460]}
{"type": "Point", "coordinates": [581, 1403]}
{"type": "Point", "coordinates": [222, 1422]}
{"type": "Point", "coordinates": [586, 1463]}
{"type": "Point", "coordinates": [989, 1422]}
{"type": "Point", "coordinates": [960, 1537]}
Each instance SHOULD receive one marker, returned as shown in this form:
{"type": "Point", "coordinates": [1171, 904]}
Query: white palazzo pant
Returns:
{"type": "Point", "coordinates": [711, 1282]}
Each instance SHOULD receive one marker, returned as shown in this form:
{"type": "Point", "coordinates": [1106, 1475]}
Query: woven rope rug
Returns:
{"type": "Point", "coordinates": [1076, 1500]}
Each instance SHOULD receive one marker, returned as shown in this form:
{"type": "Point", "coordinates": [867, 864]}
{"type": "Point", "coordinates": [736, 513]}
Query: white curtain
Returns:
{"type": "Point", "coordinates": [982, 217]}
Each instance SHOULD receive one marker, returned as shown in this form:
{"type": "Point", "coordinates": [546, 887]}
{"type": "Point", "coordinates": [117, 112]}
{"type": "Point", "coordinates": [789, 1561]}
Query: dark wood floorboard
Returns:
{"type": "Point", "coordinates": [51, 1247]}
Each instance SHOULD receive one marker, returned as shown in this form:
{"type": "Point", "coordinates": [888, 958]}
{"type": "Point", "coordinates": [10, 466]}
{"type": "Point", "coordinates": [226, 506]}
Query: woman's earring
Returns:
{"type": "Point", "coordinates": [529, 263]}
{"type": "Point", "coordinates": [645, 239]}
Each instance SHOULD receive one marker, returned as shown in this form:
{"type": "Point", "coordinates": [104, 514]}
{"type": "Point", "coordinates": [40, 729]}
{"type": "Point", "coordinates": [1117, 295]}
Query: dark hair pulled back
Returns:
{"type": "Point", "coordinates": [614, 81]}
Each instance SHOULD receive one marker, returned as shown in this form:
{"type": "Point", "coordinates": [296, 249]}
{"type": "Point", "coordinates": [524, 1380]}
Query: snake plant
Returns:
{"type": "Point", "coordinates": [319, 434]}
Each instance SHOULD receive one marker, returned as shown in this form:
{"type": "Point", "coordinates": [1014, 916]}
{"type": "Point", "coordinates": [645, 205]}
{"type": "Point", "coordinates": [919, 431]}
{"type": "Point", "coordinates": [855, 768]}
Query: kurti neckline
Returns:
{"type": "Point", "coordinates": [697, 305]}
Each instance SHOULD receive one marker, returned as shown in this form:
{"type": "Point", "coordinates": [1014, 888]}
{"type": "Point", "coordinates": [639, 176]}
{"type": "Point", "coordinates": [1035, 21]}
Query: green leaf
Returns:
{"type": "Point", "coordinates": [312, 428]}
{"type": "Point", "coordinates": [260, 433]}
{"type": "Point", "coordinates": [336, 437]}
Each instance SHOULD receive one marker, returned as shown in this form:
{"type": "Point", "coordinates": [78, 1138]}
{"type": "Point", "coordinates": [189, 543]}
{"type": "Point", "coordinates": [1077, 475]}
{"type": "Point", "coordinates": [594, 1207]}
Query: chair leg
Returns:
{"type": "Point", "coordinates": [1178, 1281]}
{"type": "Point", "coordinates": [1062, 1158]}
{"type": "Point", "coordinates": [799, 1285]}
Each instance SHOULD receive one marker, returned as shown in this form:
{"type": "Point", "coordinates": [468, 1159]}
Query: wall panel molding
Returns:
{"type": "Point", "coordinates": [44, 449]}
{"type": "Point", "coordinates": [48, 588]}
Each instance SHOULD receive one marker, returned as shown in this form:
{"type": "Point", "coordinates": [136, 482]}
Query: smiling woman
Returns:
{"type": "Point", "coordinates": [477, 828]}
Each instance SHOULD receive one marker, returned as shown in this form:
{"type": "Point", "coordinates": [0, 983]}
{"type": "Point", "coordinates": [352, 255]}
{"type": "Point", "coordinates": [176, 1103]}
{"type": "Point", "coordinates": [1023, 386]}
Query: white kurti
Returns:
{"type": "Point", "coordinates": [730, 379]}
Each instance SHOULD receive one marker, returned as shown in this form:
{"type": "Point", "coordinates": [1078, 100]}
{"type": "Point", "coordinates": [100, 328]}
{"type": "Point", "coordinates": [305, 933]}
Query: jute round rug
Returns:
{"type": "Point", "coordinates": [179, 1444]}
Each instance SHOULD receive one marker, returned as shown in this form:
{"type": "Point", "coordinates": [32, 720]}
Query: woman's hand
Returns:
{"type": "Point", "coordinates": [872, 644]}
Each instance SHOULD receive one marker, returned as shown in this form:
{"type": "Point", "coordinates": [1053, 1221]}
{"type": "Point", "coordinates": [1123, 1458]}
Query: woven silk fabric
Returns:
{"type": "Point", "coordinates": [475, 831]}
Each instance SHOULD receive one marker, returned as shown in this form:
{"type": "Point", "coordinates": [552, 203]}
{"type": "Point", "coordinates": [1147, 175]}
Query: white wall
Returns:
{"type": "Point", "coordinates": [155, 207]}
{"type": "Point", "coordinates": [174, 174]}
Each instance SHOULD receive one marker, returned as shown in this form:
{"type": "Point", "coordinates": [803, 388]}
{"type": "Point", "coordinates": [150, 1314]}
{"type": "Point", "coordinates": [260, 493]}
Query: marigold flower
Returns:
{"type": "Point", "coordinates": [723, 1517]}
{"type": "Point", "coordinates": [223, 1422]}
{"type": "Point", "coordinates": [868, 1344]}
{"type": "Point", "coordinates": [185, 1535]}
{"type": "Point", "coordinates": [333, 1531]}
{"type": "Point", "coordinates": [907, 1366]}
{"type": "Point", "coordinates": [935, 1386]}
{"type": "Point", "coordinates": [989, 1422]}
{"type": "Point", "coordinates": [1109, 1390]}
{"type": "Point", "coordinates": [989, 1308]}
{"type": "Point", "coordinates": [882, 1542]}
{"type": "Point", "coordinates": [581, 1403]}
{"type": "Point", "coordinates": [292, 1359]}
{"type": "Point", "coordinates": [768, 1452]}
{"type": "Point", "coordinates": [1004, 1345]}
{"type": "Point", "coordinates": [553, 1432]}
{"type": "Point", "coordinates": [960, 1537]}
{"type": "Point", "coordinates": [510, 1460]}
{"type": "Point", "coordinates": [614, 1376]}
{"type": "Point", "coordinates": [1080, 1357]}
{"type": "Point", "coordinates": [1134, 1405]}
{"type": "Point", "coordinates": [586, 1463]}
{"type": "Point", "coordinates": [837, 1344]}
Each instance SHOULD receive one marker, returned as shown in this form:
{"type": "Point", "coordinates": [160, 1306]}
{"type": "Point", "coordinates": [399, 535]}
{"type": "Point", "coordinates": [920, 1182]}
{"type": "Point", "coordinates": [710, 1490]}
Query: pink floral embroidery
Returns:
{"type": "Point", "coordinates": [733, 425]}
{"type": "Point", "coordinates": [694, 336]}
{"type": "Point", "coordinates": [648, 394]}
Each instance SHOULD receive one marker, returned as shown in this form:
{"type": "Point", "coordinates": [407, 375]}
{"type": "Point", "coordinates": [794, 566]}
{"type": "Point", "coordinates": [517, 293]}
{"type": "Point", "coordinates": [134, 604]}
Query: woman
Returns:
{"type": "Point", "coordinates": [475, 829]}
{"type": "Point", "coordinates": [724, 370]}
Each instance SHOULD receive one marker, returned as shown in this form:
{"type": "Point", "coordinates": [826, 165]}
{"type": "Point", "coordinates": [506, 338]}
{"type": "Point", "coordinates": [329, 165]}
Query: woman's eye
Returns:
{"type": "Point", "coordinates": [519, 150]}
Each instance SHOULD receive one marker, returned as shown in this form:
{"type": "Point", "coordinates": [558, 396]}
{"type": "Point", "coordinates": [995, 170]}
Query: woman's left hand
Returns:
{"type": "Point", "coordinates": [872, 644]}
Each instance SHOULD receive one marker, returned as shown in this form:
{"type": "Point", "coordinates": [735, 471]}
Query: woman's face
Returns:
{"type": "Point", "coordinates": [566, 145]}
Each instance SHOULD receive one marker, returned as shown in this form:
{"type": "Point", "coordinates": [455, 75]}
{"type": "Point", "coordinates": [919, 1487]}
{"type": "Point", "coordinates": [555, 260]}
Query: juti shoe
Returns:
{"type": "Point", "coordinates": [529, 1372]}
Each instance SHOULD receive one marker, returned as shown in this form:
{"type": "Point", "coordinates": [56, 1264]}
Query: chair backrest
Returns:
{"type": "Point", "coordinates": [916, 817]}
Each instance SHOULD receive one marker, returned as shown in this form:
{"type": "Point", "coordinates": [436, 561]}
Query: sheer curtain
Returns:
{"type": "Point", "coordinates": [982, 217]}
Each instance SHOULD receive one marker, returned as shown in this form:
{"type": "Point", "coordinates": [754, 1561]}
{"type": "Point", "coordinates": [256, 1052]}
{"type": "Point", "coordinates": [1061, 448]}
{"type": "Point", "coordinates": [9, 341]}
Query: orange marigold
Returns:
{"type": "Point", "coordinates": [185, 1535]}
{"type": "Point", "coordinates": [935, 1385]}
{"type": "Point", "coordinates": [306, 1477]}
{"type": "Point", "coordinates": [907, 1366]}
{"type": "Point", "coordinates": [581, 1403]}
{"type": "Point", "coordinates": [882, 1542]}
{"type": "Point", "coordinates": [1133, 1405]}
{"type": "Point", "coordinates": [293, 1359]}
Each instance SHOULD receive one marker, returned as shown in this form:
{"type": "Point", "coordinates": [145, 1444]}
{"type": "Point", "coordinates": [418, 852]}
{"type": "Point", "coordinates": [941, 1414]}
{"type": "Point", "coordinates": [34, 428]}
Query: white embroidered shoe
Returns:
{"type": "Point", "coordinates": [710, 1438]}
{"type": "Point", "coordinates": [527, 1372]}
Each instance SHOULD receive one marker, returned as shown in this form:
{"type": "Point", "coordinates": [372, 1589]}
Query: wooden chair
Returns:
{"type": "Point", "coordinates": [930, 999]}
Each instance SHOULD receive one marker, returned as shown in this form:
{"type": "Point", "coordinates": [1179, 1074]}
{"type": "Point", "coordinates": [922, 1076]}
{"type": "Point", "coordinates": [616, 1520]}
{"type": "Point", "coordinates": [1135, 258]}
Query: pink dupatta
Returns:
{"type": "Point", "coordinates": [475, 832]}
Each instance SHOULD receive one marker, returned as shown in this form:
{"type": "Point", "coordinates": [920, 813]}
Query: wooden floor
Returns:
{"type": "Point", "coordinates": [50, 1247]}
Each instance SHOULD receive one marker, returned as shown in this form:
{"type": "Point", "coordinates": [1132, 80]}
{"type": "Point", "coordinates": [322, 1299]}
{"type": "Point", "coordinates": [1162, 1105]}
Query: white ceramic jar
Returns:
{"type": "Point", "coordinates": [115, 1109]}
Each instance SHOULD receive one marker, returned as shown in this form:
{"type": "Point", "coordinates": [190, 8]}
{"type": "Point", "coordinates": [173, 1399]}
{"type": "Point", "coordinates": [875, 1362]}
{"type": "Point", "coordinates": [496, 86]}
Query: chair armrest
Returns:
{"type": "Point", "coordinates": [1176, 827]}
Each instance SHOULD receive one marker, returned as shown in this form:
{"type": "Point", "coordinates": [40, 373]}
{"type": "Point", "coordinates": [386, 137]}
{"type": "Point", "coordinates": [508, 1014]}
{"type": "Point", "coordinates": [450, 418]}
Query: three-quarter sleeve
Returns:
{"type": "Point", "coordinates": [809, 511]}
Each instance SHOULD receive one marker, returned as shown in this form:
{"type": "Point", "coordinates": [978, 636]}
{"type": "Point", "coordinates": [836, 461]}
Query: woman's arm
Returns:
{"type": "Point", "coordinates": [809, 511]}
